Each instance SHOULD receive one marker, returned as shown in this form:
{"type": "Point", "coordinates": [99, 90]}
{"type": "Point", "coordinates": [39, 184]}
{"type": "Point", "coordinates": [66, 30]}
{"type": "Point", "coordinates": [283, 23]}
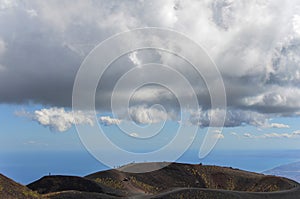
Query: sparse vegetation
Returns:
{"type": "Point", "coordinates": [193, 177]}
{"type": "Point", "coordinates": [30, 194]}
{"type": "Point", "coordinates": [146, 187]}
{"type": "Point", "coordinates": [51, 184]}
{"type": "Point", "coordinates": [11, 189]}
{"type": "Point", "coordinates": [205, 179]}
{"type": "Point", "coordinates": [174, 181]}
{"type": "Point", "coordinates": [110, 183]}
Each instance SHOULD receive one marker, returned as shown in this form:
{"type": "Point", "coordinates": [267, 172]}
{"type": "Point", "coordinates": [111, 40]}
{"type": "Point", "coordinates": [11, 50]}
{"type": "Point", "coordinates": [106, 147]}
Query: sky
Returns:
{"type": "Point", "coordinates": [253, 45]}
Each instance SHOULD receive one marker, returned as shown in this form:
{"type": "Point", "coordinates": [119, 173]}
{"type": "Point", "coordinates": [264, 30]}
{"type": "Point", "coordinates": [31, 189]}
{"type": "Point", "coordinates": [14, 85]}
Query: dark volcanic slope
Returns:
{"type": "Point", "coordinates": [49, 184]}
{"type": "Point", "coordinates": [77, 195]}
{"type": "Point", "coordinates": [197, 176]}
{"type": "Point", "coordinates": [9, 189]}
{"type": "Point", "coordinates": [173, 181]}
{"type": "Point", "coordinates": [202, 193]}
{"type": "Point", "coordinates": [65, 187]}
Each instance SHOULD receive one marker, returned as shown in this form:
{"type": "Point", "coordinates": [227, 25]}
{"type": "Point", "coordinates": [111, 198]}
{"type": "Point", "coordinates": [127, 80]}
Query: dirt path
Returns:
{"type": "Point", "coordinates": [134, 192]}
{"type": "Point", "coordinates": [290, 194]}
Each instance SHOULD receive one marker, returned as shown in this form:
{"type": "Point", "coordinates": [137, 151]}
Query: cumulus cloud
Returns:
{"type": "Point", "coordinates": [233, 118]}
{"type": "Point", "coordinates": [146, 115]}
{"type": "Point", "coordinates": [107, 121]}
{"type": "Point", "coordinates": [255, 44]}
{"type": "Point", "coordinates": [282, 100]}
{"type": "Point", "coordinates": [58, 119]}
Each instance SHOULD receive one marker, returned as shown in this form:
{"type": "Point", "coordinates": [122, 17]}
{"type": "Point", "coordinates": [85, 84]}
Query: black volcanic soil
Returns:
{"type": "Point", "coordinates": [173, 181]}
{"type": "Point", "coordinates": [68, 186]}
{"type": "Point", "coordinates": [78, 195]}
{"type": "Point", "coordinates": [49, 184]}
{"type": "Point", "coordinates": [225, 194]}
{"type": "Point", "coordinates": [12, 190]}
{"type": "Point", "coordinates": [199, 176]}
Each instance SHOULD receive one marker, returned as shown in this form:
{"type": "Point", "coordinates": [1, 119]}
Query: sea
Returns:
{"type": "Point", "coordinates": [26, 167]}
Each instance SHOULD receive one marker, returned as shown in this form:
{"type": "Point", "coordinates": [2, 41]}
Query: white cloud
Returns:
{"type": "Point", "coordinates": [32, 13]}
{"type": "Point", "coordinates": [217, 131]}
{"type": "Point", "coordinates": [146, 115]}
{"type": "Point", "coordinates": [103, 15]}
{"type": "Point", "coordinates": [277, 99]}
{"type": "Point", "coordinates": [134, 134]}
{"type": "Point", "coordinates": [296, 24]}
{"type": "Point", "coordinates": [253, 43]}
{"type": "Point", "coordinates": [219, 136]}
{"type": "Point", "coordinates": [235, 134]}
{"type": "Point", "coordinates": [279, 126]}
{"type": "Point", "coordinates": [248, 135]}
{"type": "Point", "coordinates": [168, 14]}
{"type": "Point", "coordinates": [58, 119]}
{"type": "Point", "coordinates": [277, 135]}
{"type": "Point", "coordinates": [135, 60]}
{"type": "Point", "coordinates": [294, 134]}
{"type": "Point", "coordinates": [6, 4]}
{"type": "Point", "coordinates": [233, 118]}
{"type": "Point", "coordinates": [107, 121]}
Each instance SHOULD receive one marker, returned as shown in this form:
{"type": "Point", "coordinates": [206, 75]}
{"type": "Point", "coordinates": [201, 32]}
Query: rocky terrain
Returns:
{"type": "Point", "coordinates": [173, 181]}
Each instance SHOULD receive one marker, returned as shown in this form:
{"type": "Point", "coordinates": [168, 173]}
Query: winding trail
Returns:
{"type": "Point", "coordinates": [134, 191]}
{"type": "Point", "coordinates": [290, 194]}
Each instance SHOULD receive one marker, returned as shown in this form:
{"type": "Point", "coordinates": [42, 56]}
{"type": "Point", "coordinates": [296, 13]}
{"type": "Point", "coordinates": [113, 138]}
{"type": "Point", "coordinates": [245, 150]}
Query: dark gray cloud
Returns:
{"type": "Point", "coordinates": [256, 46]}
